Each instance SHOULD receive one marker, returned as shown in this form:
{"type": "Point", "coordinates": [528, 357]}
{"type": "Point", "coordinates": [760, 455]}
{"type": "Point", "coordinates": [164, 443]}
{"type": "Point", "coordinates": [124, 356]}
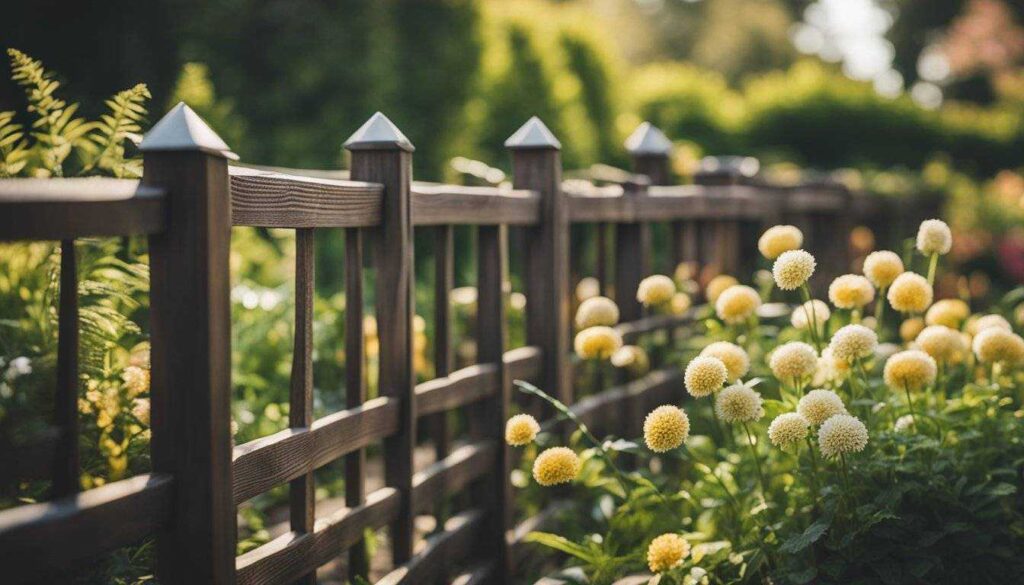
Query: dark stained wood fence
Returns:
{"type": "Point", "coordinates": [187, 204]}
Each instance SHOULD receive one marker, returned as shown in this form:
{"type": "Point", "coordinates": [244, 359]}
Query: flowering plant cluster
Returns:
{"type": "Point", "coordinates": [873, 438]}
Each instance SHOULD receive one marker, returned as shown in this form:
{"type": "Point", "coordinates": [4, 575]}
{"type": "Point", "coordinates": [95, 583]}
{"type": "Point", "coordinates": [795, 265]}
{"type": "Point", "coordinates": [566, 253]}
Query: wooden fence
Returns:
{"type": "Point", "coordinates": [187, 203]}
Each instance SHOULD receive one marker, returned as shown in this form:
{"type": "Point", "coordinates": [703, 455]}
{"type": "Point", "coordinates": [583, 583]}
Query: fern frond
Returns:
{"type": "Point", "coordinates": [126, 112]}
{"type": "Point", "coordinates": [13, 150]}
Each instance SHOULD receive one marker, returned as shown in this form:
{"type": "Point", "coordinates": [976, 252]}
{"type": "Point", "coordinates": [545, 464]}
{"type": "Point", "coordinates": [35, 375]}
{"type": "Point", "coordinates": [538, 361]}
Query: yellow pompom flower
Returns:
{"type": "Point", "coordinates": [587, 287]}
{"type": "Point", "coordinates": [853, 342]}
{"type": "Point", "coordinates": [735, 358]}
{"type": "Point", "coordinates": [910, 370]}
{"type": "Point", "coordinates": [737, 303]}
{"type": "Point", "coordinates": [793, 361]}
{"type": "Point", "coordinates": [830, 369]}
{"type": "Point", "coordinates": [910, 293]}
{"type": "Point", "coordinates": [911, 328]}
{"type": "Point", "coordinates": [997, 345]}
{"type": "Point", "coordinates": [788, 430]}
{"type": "Point", "coordinates": [984, 322]}
{"type": "Point", "coordinates": [948, 312]}
{"type": "Point", "coordinates": [666, 428]}
{"type": "Point", "coordinates": [521, 430]}
{"type": "Point", "coordinates": [842, 434]}
{"type": "Point", "coordinates": [945, 345]}
{"type": "Point", "coordinates": [704, 376]}
{"type": "Point", "coordinates": [631, 358]}
{"type": "Point", "coordinates": [655, 290]}
{"type": "Point", "coordinates": [718, 285]}
{"type": "Point", "coordinates": [778, 239]}
{"type": "Point", "coordinates": [680, 303]}
{"type": "Point", "coordinates": [815, 309]}
{"type": "Point", "coordinates": [556, 465]}
{"type": "Point", "coordinates": [817, 406]}
{"type": "Point", "coordinates": [597, 311]}
{"type": "Point", "coordinates": [934, 237]}
{"type": "Point", "coordinates": [792, 269]}
{"type": "Point", "coordinates": [739, 403]}
{"type": "Point", "coordinates": [882, 267]}
{"type": "Point", "coordinates": [136, 380]}
{"type": "Point", "coordinates": [850, 291]}
{"type": "Point", "coordinates": [597, 342]}
{"type": "Point", "coordinates": [666, 552]}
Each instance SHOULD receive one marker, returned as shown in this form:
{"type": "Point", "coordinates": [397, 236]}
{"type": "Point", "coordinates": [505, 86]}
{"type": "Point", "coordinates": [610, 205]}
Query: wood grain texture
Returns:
{"type": "Point", "coordinates": [451, 474]}
{"type": "Point", "coordinates": [525, 363]}
{"type": "Point", "coordinates": [294, 554]}
{"type": "Point", "coordinates": [460, 388]}
{"type": "Point", "coordinates": [37, 540]}
{"type": "Point", "coordinates": [670, 203]}
{"type": "Point", "coordinates": [444, 357]}
{"type": "Point", "coordinates": [266, 199]}
{"type": "Point", "coordinates": [302, 490]}
{"type": "Point", "coordinates": [355, 386]}
{"type": "Point", "coordinates": [270, 461]}
{"type": "Point", "coordinates": [65, 209]}
{"type": "Point", "coordinates": [65, 460]}
{"type": "Point", "coordinates": [190, 390]}
{"type": "Point", "coordinates": [455, 205]}
{"type": "Point", "coordinates": [460, 535]}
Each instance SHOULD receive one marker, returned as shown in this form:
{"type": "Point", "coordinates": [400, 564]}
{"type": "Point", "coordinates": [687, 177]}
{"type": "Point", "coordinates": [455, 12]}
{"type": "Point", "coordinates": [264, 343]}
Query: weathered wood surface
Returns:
{"type": "Point", "coordinates": [302, 490]}
{"type": "Point", "coordinates": [65, 461]}
{"type": "Point", "coordinates": [454, 205]}
{"type": "Point", "coordinates": [451, 474]}
{"type": "Point", "coordinates": [461, 534]}
{"type": "Point", "coordinates": [355, 386]}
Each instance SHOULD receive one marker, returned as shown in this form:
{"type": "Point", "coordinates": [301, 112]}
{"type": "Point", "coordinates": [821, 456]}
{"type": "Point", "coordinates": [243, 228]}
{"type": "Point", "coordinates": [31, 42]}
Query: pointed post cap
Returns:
{"type": "Point", "coordinates": [648, 140]}
{"type": "Point", "coordinates": [533, 135]}
{"type": "Point", "coordinates": [378, 133]}
{"type": "Point", "coordinates": [183, 129]}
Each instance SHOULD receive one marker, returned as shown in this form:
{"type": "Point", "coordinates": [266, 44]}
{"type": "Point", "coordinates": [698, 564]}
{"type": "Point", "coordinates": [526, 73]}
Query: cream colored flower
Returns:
{"type": "Point", "coordinates": [830, 369]}
{"type": "Point", "coordinates": [910, 293]}
{"type": "Point", "coordinates": [718, 285]}
{"type": "Point", "coordinates": [666, 552]}
{"type": "Point", "coordinates": [136, 380]}
{"type": "Point", "coordinates": [587, 287]}
{"type": "Point", "coordinates": [793, 361]}
{"type": "Point", "coordinates": [851, 291]}
{"type": "Point", "coordinates": [910, 370]}
{"type": "Point", "coordinates": [680, 303]}
{"type": "Point", "coordinates": [945, 345]}
{"type": "Point", "coordinates": [984, 322]}
{"type": "Point", "coordinates": [521, 430]}
{"type": "Point", "coordinates": [778, 239]}
{"type": "Point", "coordinates": [842, 434]}
{"type": "Point", "coordinates": [735, 358]}
{"type": "Point", "coordinates": [597, 311]}
{"type": "Point", "coordinates": [597, 342]}
{"type": "Point", "coordinates": [997, 345]}
{"type": "Point", "coordinates": [666, 428]}
{"type": "Point", "coordinates": [948, 312]}
{"type": "Point", "coordinates": [853, 342]}
{"type": "Point", "coordinates": [911, 328]}
{"type": "Point", "coordinates": [655, 290]}
{"type": "Point", "coordinates": [140, 410]}
{"type": "Point", "coordinates": [632, 358]}
{"type": "Point", "coordinates": [792, 269]}
{"type": "Point", "coordinates": [556, 465]}
{"type": "Point", "coordinates": [934, 237]}
{"type": "Point", "coordinates": [739, 403]}
{"type": "Point", "coordinates": [904, 423]}
{"type": "Point", "coordinates": [802, 315]}
{"type": "Point", "coordinates": [704, 375]}
{"type": "Point", "coordinates": [882, 267]}
{"type": "Point", "coordinates": [817, 406]}
{"type": "Point", "coordinates": [737, 303]}
{"type": "Point", "coordinates": [788, 430]}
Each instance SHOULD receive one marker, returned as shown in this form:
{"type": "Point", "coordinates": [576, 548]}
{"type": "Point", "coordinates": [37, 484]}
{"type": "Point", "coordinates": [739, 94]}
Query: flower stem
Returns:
{"type": "Point", "coordinates": [932, 265]}
{"type": "Point", "coordinates": [812, 324]}
{"type": "Point", "coordinates": [757, 462]}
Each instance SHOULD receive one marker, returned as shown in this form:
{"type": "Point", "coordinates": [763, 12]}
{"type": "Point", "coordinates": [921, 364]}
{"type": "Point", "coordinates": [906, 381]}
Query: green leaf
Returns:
{"type": "Point", "coordinates": [562, 544]}
{"type": "Point", "coordinates": [808, 537]}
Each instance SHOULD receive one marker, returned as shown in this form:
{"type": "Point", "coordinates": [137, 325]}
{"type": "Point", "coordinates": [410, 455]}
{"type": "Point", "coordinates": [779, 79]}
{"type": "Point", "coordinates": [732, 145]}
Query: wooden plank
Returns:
{"type": "Point", "coordinates": [294, 554]}
{"type": "Point", "coordinates": [461, 533]}
{"type": "Point", "coordinates": [39, 539]}
{"type": "Point", "coordinates": [65, 461]}
{"type": "Point", "coordinates": [632, 259]}
{"type": "Point", "coordinates": [444, 357]}
{"type": "Point", "coordinates": [267, 199]}
{"type": "Point", "coordinates": [302, 490]}
{"type": "Point", "coordinates": [190, 392]}
{"type": "Point", "coordinates": [65, 209]}
{"type": "Point", "coordinates": [524, 363]}
{"type": "Point", "coordinates": [270, 461]}
{"type": "Point", "coordinates": [450, 475]}
{"type": "Point", "coordinates": [382, 154]}
{"type": "Point", "coordinates": [456, 205]}
{"type": "Point", "coordinates": [355, 387]}
{"type": "Point", "coordinates": [607, 410]}
{"type": "Point", "coordinates": [630, 330]}
{"type": "Point", "coordinates": [462, 387]}
{"type": "Point", "coordinates": [478, 574]}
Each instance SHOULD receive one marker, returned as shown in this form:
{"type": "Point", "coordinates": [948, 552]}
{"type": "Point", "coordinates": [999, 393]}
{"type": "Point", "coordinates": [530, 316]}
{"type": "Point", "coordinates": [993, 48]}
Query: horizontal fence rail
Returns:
{"type": "Point", "coordinates": [187, 202]}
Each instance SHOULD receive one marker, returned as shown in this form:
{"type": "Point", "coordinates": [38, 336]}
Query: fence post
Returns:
{"type": "Point", "coordinates": [382, 154]}
{"type": "Point", "coordinates": [537, 165]}
{"type": "Point", "coordinates": [651, 152]}
{"type": "Point", "coordinates": [191, 348]}
{"type": "Point", "coordinates": [721, 246]}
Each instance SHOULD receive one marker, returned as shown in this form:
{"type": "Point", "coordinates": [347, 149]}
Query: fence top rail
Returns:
{"type": "Point", "coordinates": [437, 204]}
{"type": "Point", "coordinates": [60, 209]}
{"type": "Point", "coordinates": [614, 204]}
{"type": "Point", "coordinates": [262, 198]}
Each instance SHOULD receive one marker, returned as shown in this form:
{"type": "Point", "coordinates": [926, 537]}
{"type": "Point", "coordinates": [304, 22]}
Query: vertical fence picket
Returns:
{"type": "Point", "coordinates": [191, 348]}
{"type": "Point", "coordinates": [382, 154]}
{"type": "Point", "coordinates": [355, 387]}
{"type": "Point", "coordinates": [65, 463]}
{"type": "Point", "coordinates": [444, 281]}
{"type": "Point", "coordinates": [651, 151]}
{"type": "Point", "coordinates": [632, 256]}
{"type": "Point", "coordinates": [301, 491]}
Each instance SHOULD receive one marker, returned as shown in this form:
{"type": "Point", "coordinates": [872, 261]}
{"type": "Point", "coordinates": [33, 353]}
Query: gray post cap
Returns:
{"type": "Point", "coordinates": [647, 139]}
{"type": "Point", "coordinates": [533, 135]}
{"type": "Point", "coordinates": [378, 133]}
{"type": "Point", "coordinates": [183, 129]}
